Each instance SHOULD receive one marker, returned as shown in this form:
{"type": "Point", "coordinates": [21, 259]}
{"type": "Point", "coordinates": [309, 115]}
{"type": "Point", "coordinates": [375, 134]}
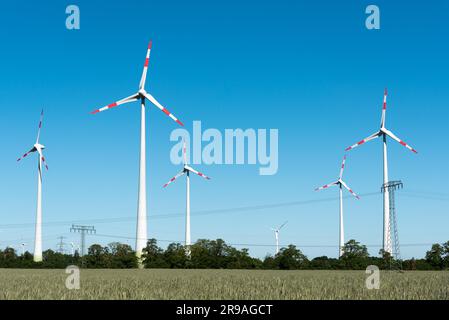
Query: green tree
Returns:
{"type": "Point", "coordinates": [435, 256]}
{"type": "Point", "coordinates": [240, 259]}
{"type": "Point", "coordinates": [322, 263]}
{"type": "Point", "coordinates": [153, 255]}
{"type": "Point", "coordinates": [9, 258]}
{"type": "Point", "coordinates": [385, 261]}
{"type": "Point", "coordinates": [409, 264]}
{"type": "Point", "coordinates": [355, 255]}
{"type": "Point", "coordinates": [26, 260]}
{"type": "Point", "coordinates": [269, 263]}
{"type": "Point", "coordinates": [210, 254]}
{"type": "Point", "coordinates": [446, 255]}
{"type": "Point", "coordinates": [123, 256]}
{"type": "Point", "coordinates": [291, 258]}
{"type": "Point", "coordinates": [51, 259]}
{"type": "Point", "coordinates": [175, 256]}
{"type": "Point", "coordinates": [97, 257]}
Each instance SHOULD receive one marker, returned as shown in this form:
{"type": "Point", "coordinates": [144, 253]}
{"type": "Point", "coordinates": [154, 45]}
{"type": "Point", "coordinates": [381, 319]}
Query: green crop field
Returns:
{"type": "Point", "coordinates": [221, 284]}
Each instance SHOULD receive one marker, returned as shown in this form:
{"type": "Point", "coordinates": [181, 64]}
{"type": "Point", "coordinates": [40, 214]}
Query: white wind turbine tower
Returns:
{"type": "Point", "coordinates": [384, 132]}
{"type": "Point", "coordinates": [186, 170]}
{"type": "Point", "coordinates": [141, 236]}
{"type": "Point", "coordinates": [340, 183]}
{"type": "Point", "coordinates": [276, 235]}
{"type": "Point", "coordinates": [41, 160]}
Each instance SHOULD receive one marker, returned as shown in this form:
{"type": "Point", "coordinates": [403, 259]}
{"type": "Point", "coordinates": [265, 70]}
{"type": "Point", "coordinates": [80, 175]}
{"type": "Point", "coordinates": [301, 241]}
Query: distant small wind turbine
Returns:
{"type": "Point", "coordinates": [41, 160]}
{"type": "Point", "coordinates": [23, 248]}
{"type": "Point", "coordinates": [186, 170]}
{"type": "Point", "coordinates": [276, 235]}
{"type": "Point", "coordinates": [340, 183]}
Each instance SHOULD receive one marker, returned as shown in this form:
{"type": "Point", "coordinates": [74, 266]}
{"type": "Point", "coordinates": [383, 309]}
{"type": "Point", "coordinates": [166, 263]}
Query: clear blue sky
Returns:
{"type": "Point", "coordinates": [310, 69]}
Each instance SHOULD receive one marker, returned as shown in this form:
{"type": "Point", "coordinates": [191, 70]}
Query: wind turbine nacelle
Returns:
{"type": "Point", "coordinates": [39, 146]}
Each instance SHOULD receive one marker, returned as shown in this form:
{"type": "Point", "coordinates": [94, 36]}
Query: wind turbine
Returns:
{"type": "Point", "coordinates": [186, 170]}
{"type": "Point", "coordinates": [340, 183]}
{"type": "Point", "coordinates": [276, 235]}
{"type": "Point", "coordinates": [23, 248]}
{"type": "Point", "coordinates": [141, 237]}
{"type": "Point", "coordinates": [37, 147]}
{"type": "Point", "coordinates": [383, 133]}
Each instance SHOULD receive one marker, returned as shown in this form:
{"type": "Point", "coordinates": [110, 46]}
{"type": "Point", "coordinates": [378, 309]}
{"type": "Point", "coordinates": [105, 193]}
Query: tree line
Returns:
{"type": "Point", "coordinates": [216, 254]}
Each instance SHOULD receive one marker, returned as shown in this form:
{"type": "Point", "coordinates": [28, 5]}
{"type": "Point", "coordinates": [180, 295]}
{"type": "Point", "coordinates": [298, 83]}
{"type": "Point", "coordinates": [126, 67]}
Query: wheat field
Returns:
{"type": "Point", "coordinates": [221, 284]}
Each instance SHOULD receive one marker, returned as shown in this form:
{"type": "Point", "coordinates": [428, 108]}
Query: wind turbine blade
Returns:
{"type": "Point", "coordinates": [132, 98]}
{"type": "Point", "coordinates": [282, 225]}
{"type": "Point", "coordinates": [327, 186]}
{"type": "Point", "coordinates": [157, 104]}
{"type": "Point", "coordinates": [342, 167]}
{"type": "Point", "coordinates": [26, 154]}
{"type": "Point", "coordinates": [184, 152]}
{"type": "Point", "coordinates": [145, 67]}
{"type": "Point", "coordinates": [197, 172]}
{"type": "Point", "coordinates": [384, 109]}
{"type": "Point", "coordinates": [393, 136]}
{"type": "Point", "coordinates": [43, 159]}
{"type": "Point", "coordinates": [371, 137]}
{"type": "Point", "coordinates": [349, 189]}
{"type": "Point", "coordinates": [40, 126]}
{"type": "Point", "coordinates": [174, 178]}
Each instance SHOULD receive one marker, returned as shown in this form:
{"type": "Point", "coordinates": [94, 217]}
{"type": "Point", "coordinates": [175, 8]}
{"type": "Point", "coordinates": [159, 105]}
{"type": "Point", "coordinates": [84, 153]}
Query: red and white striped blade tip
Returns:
{"type": "Point", "coordinates": [45, 163]}
{"type": "Point", "coordinates": [407, 146]}
{"type": "Point", "coordinates": [25, 155]}
{"type": "Point", "coordinates": [371, 137]}
{"type": "Point", "coordinates": [109, 106]}
{"type": "Point", "coordinates": [203, 175]}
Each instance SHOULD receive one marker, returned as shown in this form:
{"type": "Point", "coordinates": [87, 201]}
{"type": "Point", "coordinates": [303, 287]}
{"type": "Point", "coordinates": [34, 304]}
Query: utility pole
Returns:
{"type": "Point", "coordinates": [391, 187]}
{"type": "Point", "coordinates": [61, 244]}
{"type": "Point", "coordinates": [83, 230]}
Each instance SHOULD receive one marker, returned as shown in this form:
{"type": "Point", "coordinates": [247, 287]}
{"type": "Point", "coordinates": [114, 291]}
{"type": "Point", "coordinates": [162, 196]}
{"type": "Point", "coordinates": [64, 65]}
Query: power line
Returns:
{"type": "Point", "coordinates": [213, 211]}
{"type": "Point", "coordinates": [264, 245]}
{"type": "Point", "coordinates": [428, 244]}
{"type": "Point", "coordinates": [217, 211]}
{"type": "Point", "coordinates": [413, 194]}
{"type": "Point", "coordinates": [429, 197]}
{"type": "Point", "coordinates": [432, 193]}
{"type": "Point", "coordinates": [52, 236]}
{"type": "Point", "coordinates": [197, 213]}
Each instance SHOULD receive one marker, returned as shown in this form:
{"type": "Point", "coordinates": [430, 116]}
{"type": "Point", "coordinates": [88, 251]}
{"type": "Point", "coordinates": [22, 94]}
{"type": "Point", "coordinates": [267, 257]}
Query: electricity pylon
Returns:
{"type": "Point", "coordinates": [83, 230]}
{"type": "Point", "coordinates": [391, 187]}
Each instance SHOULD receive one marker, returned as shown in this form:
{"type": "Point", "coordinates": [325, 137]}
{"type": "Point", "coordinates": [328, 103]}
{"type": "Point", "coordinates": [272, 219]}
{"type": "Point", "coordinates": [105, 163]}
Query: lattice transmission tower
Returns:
{"type": "Point", "coordinates": [391, 187]}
